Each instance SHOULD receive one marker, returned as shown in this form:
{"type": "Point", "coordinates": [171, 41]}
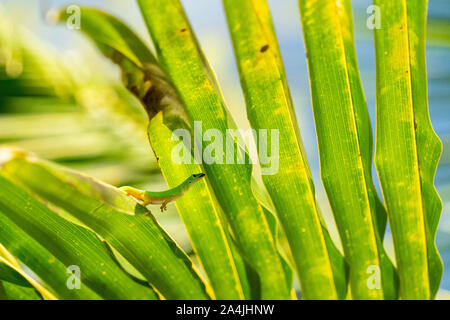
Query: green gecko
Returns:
{"type": "Point", "coordinates": [162, 197]}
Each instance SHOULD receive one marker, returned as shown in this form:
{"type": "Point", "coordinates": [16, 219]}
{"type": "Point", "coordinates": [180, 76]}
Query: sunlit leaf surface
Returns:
{"type": "Point", "coordinates": [407, 149]}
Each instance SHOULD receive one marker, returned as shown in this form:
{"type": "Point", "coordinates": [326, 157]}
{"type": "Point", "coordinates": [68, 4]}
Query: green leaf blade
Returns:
{"type": "Point", "coordinates": [11, 291]}
{"type": "Point", "coordinates": [68, 243]}
{"type": "Point", "coordinates": [407, 149]}
{"type": "Point", "coordinates": [119, 221]}
{"type": "Point", "coordinates": [199, 212]}
{"type": "Point", "coordinates": [31, 253]}
{"type": "Point", "coordinates": [269, 106]}
{"type": "Point", "coordinates": [8, 274]}
{"type": "Point", "coordinates": [179, 53]}
{"type": "Point", "coordinates": [345, 144]}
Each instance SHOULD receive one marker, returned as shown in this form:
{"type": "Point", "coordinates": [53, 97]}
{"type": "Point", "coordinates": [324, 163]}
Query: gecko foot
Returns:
{"type": "Point", "coordinates": [148, 213]}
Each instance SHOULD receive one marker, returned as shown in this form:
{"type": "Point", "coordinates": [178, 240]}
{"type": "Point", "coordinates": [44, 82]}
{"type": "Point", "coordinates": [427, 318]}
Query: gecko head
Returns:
{"type": "Point", "coordinates": [195, 177]}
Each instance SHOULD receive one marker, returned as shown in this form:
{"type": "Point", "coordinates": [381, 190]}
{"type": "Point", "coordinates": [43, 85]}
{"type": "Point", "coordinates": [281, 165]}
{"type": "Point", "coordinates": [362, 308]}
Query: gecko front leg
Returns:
{"type": "Point", "coordinates": [164, 206]}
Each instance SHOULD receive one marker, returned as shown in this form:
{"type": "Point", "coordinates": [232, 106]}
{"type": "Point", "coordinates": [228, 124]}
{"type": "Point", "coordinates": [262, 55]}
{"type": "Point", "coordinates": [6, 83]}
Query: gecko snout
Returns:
{"type": "Point", "coordinates": [198, 175]}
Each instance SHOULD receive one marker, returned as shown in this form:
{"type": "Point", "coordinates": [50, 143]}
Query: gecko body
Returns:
{"type": "Point", "coordinates": [162, 197]}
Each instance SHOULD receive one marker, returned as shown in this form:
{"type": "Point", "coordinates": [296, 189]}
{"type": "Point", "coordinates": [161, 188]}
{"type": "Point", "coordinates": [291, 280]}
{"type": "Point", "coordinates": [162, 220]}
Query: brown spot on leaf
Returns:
{"type": "Point", "coordinates": [183, 30]}
{"type": "Point", "coordinates": [264, 48]}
